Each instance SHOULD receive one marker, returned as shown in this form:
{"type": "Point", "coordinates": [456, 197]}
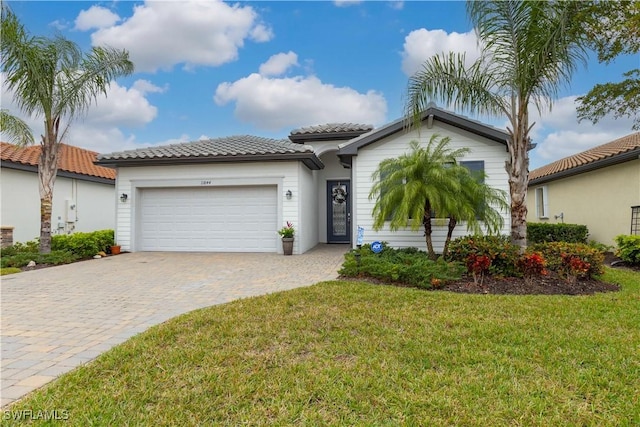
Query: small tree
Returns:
{"type": "Point", "coordinates": [408, 188]}
{"type": "Point", "coordinates": [53, 79]}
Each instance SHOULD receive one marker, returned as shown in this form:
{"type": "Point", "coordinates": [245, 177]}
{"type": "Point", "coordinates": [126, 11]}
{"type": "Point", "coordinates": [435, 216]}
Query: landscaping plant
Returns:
{"type": "Point", "coordinates": [628, 249]}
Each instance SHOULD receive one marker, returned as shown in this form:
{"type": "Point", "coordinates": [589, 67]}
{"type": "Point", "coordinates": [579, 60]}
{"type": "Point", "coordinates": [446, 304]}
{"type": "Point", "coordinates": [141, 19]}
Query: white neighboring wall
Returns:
{"type": "Point", "coordinates": [369, 157]}
{"type": "Point", "coordinates": [94, 205]}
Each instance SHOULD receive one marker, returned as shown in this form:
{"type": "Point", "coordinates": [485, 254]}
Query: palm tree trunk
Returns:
{"type": "Point", "coordinates": [47, 170]}
{"type": "Point", "coordinates": [426, 221]}
{"type": "Point", "coordinates": [452, 224]}
{"type": "Point", "coordinates": [518, 171]}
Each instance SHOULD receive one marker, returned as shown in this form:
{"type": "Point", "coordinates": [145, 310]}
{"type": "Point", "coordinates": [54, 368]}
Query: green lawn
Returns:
{"type": "Point", "coordinates": [349, 353]}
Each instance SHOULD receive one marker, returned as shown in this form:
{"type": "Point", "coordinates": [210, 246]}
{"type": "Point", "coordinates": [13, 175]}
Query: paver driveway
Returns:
{"type": "Point", "coordinates": [57, 318]}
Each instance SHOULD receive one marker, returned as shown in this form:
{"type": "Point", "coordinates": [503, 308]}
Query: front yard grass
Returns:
{"type": "Point", "coordinates": [352, 353]}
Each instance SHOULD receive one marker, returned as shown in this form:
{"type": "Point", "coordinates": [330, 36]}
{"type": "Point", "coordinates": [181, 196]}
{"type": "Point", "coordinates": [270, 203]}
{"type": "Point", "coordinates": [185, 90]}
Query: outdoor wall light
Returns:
{"type": "Point", "coordinates": [289, 194]}
{"type": "Point", "coordinates": [124, 197]}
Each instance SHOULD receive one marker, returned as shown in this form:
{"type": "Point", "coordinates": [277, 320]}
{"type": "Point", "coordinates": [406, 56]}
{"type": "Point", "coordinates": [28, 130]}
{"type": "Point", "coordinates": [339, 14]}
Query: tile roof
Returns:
{"type": "Point", "coordinates": [332, 128]}
{"type": "Point", "coordinates": [70, 159]}
{"type": "Point", "coordinates": [241, 146]}
{"type": "Point", "coordinates": [592, 157]}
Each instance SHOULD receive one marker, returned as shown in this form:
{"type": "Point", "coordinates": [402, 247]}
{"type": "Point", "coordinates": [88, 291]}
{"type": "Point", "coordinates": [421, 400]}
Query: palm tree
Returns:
{"type": "Point", "coordinates": [408, 188]}
{"type": "Point", "coordinates": [477, 204]}
{"type": "Point", "coordinates": [15, 129]}
{"type": "Point", "coordinates": [528, 51]}
{"type": "Point", "coordinates": [52, 78]}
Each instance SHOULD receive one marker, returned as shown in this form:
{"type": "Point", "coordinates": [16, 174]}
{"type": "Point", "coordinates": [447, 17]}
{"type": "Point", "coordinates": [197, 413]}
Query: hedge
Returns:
{"type": "Point", "coordinates": [540, 232]}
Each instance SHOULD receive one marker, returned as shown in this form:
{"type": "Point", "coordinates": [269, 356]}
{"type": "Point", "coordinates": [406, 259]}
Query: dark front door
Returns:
{"type": "Point", "coordinates": [338, 211]}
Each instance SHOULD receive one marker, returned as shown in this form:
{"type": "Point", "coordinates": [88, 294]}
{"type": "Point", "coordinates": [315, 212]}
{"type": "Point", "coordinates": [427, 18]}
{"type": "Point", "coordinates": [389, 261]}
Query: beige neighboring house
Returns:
{"type": "Point", "coordinates": [599, 188]}
{"type": "Point", "coordinates": [83, 199]}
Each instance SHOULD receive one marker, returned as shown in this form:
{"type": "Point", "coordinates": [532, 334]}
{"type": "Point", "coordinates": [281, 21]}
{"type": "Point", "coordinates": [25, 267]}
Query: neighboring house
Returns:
{"type": "Point", "coordinates": [599, 188]}
{"type": "Point", "coordinates": [83, 199]}
{"type": "Point", "coordinates": [233, 193]}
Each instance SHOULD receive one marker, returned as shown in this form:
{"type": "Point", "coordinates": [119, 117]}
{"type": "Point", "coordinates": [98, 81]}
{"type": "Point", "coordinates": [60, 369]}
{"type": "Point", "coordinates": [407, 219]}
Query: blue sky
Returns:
{"type": "Point", "coordinates": [211, 69]}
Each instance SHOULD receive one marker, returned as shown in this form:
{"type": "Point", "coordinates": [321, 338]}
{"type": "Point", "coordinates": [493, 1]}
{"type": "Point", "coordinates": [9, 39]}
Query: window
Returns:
{"type": "Point", "coordinates": [635, 219]}
{"type": "Point", "coordinates": [542, 203]}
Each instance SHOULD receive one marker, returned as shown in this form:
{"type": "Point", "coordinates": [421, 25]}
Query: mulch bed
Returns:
{"type": "Point", "coordinates": [544, 285]}
{"type": "Point", "coordinates": [550, 284]}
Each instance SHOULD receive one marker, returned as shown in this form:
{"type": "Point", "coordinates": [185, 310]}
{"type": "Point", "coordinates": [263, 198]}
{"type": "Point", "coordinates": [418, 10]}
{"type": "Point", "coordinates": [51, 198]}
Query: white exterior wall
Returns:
{"type": "Point", "coordinates": [131, 180]}
{"type": "Point", "coordinates": [327, 152]}
{"type": "Point", "coordinates": [365, 163]}
{"type": "Point", "coordinates": [307, 229]}
{"type": "Point", "coordinates": [94, 205]}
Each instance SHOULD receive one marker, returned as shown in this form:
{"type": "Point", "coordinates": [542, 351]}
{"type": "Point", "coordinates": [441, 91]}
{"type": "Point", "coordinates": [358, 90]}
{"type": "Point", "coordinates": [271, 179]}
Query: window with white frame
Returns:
{"type": "Point", "coordinates": [542, 203]}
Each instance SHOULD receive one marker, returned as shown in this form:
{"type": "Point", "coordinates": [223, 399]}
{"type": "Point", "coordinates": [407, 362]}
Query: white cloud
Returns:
{"type": "Point", "coordinates": [284, 103]}
{"type": "Point", "coordinates": [145, 86]}
{"type": "Point", "coordinates": [101, 128]}
{"type": "Point", "coordinates": [95, 17]}
{"type": "Point", "coordinates": [278, 64]}
{"type": "Point", "coordinates": [396, 4]}
{"type": "Point", "coordinates": [162, 34]}
{"type": "Point", "coordinates": [419, 45]}
{"type": "Point", "coordinates": [346, 3]}
{"type": "Point", "coordinates": [559, 134]}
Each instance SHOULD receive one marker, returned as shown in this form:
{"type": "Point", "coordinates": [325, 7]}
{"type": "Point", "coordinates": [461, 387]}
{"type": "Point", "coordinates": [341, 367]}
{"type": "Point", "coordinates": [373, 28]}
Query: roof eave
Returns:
{"type": "Point", "coordinates": [309, 159]}
{"type": "Point", "coordinates": [325, 136]}
{"type": "Point", "coordinates": [598, 164]}
{"type": "Point", "coordinates": [61, 173]}
{"type": "Point", "coordinates": [438, 114]}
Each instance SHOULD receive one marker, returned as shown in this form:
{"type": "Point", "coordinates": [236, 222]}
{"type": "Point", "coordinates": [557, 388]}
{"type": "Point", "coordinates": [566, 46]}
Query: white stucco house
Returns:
{"type": "Point", "coordinates": [234, 193]}
{"type": "Point", "coordinates": [83, 198]}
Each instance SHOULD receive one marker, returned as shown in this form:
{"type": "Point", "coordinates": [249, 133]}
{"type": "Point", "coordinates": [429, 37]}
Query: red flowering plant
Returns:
{"type": "Point", "coordinates": [478, 265]}
{"type": "Point", "coordinates": [573, 267]}
{"type": "Point", "coordinates": [531, 265]}
{"type": "Point", "coordinates": [287, 231]}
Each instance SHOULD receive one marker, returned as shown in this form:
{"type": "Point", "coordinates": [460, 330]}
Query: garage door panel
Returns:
{"type": "Point", "coordinates": [214, 219]}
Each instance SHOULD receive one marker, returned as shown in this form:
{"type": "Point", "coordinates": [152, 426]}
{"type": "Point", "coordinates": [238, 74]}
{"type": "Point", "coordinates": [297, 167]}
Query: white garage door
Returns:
{"type": "Point", "coordinates": [209, 219]}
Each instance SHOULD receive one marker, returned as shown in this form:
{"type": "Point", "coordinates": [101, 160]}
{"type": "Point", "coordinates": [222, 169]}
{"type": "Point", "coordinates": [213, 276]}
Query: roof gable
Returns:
{"type": "Point", "coordinates": [227, 149]}
{"type": "Point", "coordinates": [432, 113]}
{"type": "Point", "coordinates": [614, 152]}
{"type": "Point", "coordinates": [74, 160]}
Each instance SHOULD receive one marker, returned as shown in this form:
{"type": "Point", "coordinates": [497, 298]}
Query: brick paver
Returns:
{"type": "Point", "coordinates": [56, 319]}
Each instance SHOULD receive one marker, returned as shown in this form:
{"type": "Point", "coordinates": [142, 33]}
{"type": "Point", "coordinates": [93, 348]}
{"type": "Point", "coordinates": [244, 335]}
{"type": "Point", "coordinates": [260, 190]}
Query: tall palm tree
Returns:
{"type": "Point", "coordinates": [408, 188]}
{"type": "Point", "coordinates": [15, 129]}
{"type": "Point", "coordinates": [54, 79]}
{"type": "Point", "coordinates": [528, 51]}
{"type": "Point", "coordinates": [477, 204]}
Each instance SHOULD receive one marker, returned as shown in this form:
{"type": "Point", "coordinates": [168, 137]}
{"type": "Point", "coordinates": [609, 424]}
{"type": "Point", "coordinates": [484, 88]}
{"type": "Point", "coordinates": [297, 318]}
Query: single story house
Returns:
{"type": "Point", "coordinates": [234, 193]}
{"type": "Point", "coordinates": [599, 188]}
{"type": "Point", "coordinates": [83, 198]}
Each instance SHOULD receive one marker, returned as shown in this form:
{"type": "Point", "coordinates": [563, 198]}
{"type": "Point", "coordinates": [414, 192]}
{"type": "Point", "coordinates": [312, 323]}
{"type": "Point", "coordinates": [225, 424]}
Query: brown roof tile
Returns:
{"type": "Point", "coordinates": [71, 159]}
{"type": "Point", "coordinates": [596, 154]}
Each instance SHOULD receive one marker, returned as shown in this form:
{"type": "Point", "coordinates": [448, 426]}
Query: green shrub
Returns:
{"type": "Point", "coordinates": [540, 232]}
{"type": "Point", "coordinates": [499, 249]}
{"type": "Point", "coordinates": [600, 246]}
{"type": "Point", "coordinates": [628, 248]}
{"type": "Point", "coordinates": [31, 246]}
{"type": "Point", "coordinates": [571, 259]}
{"type": "Point", "coordinates": [23, 259]}
{"type": "Point", "coordinates": [58, 257]}
{"type": "Point", "coordinates": [84, 245]}
{"type": "Point", "coordinates": [19, 260]}
{"type": "Point", "coordinates": [408, 266]}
